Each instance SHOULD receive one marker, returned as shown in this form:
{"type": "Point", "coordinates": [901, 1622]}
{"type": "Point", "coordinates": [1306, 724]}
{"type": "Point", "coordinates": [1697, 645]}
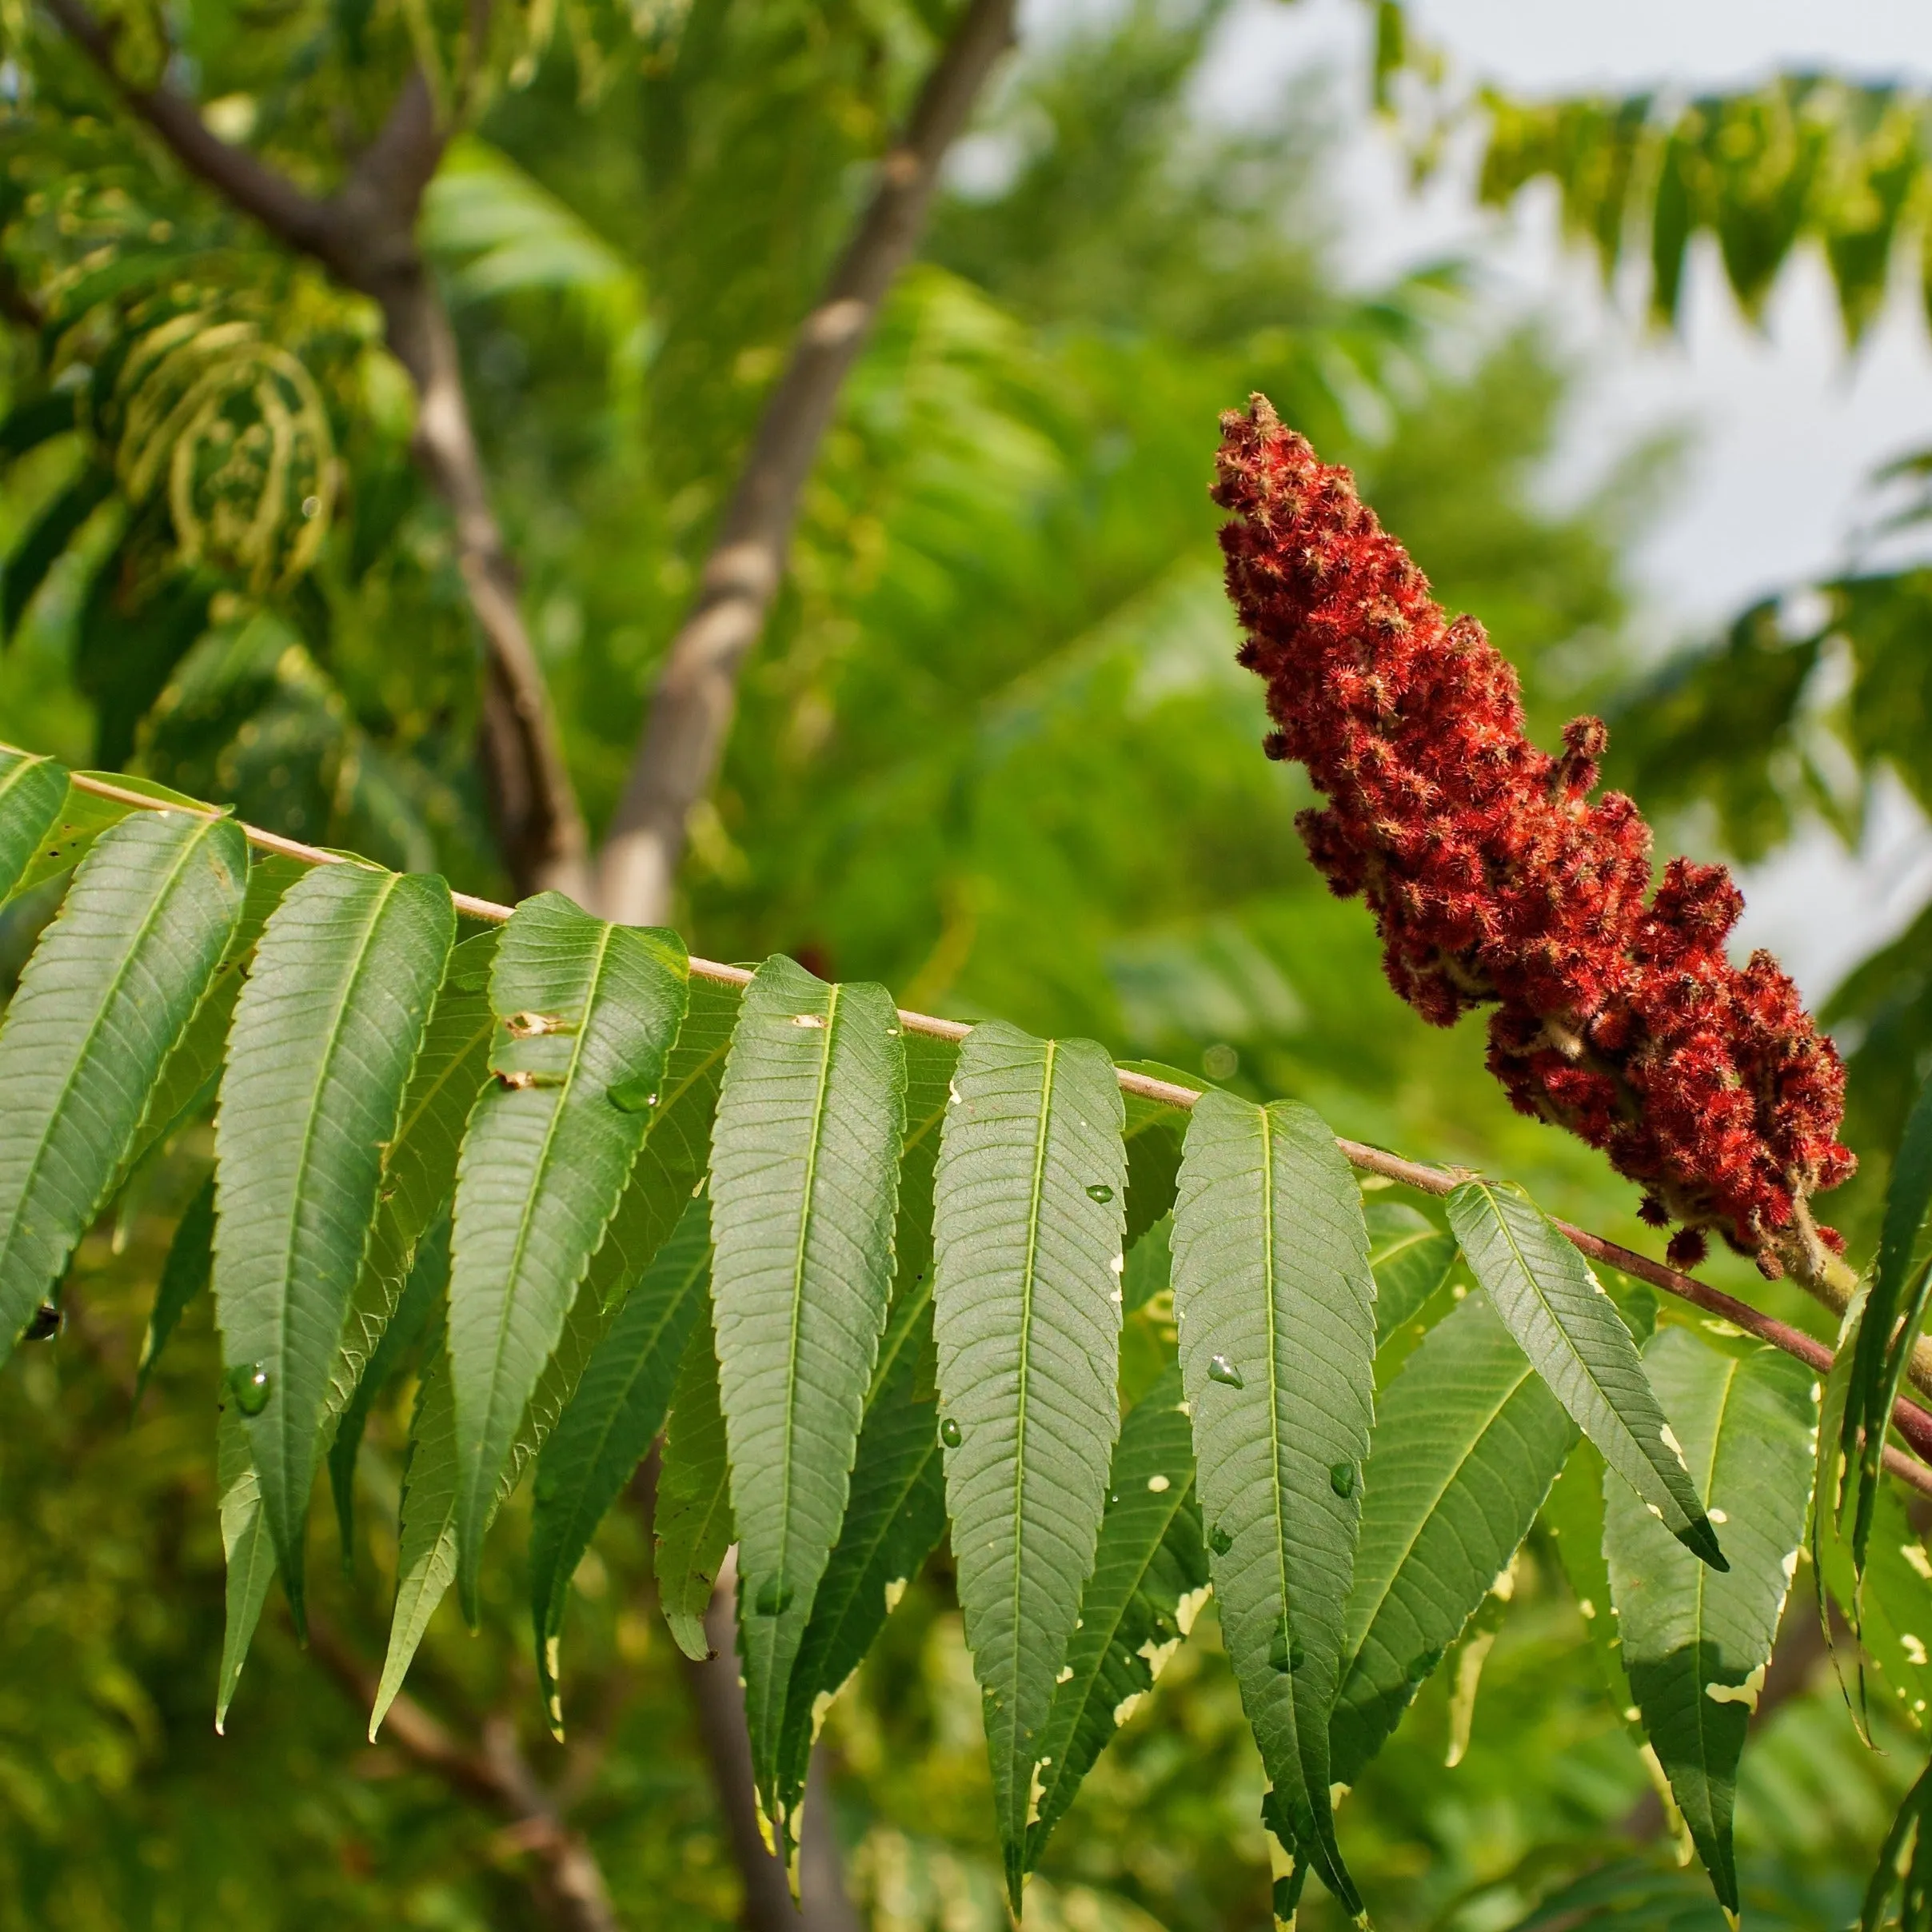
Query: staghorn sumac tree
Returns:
{"type": "Point", "coordinates": [871, 1274]}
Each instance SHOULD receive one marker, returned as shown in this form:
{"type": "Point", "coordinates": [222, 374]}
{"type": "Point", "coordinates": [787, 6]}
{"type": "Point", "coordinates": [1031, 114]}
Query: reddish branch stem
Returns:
{"type": "Point", "coordinates": [691, 710]}
{"type": "Point", "coordinates": [1913, 1423]}
{"type": "Point", "coordinates": [365, 236]}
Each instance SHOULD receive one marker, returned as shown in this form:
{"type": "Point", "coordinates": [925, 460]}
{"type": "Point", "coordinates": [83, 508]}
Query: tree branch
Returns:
{"type": "Point", "coordinates": [1913, 1423]}
{"type": "Point", "coordinates": [822, 1905]}
{"type": "Point", "coordinates": [365, 235]}
{"type": "Point", "coordinates": [691, 711]}
{"type": "Point", "coordinates": [495, 1776]}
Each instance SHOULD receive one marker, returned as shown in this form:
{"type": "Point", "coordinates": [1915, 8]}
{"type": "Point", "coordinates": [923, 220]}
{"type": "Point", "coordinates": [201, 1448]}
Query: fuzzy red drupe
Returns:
{"type": "Point", "coordinates": [1496, 879]}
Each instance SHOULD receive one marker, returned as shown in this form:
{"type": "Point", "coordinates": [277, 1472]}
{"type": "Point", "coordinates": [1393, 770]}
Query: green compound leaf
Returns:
{"type": "Point", "coordinates": [426, 1554]}
{"type": "Point", "coordinates": [31, 792]}
{"type": "Point", "coordinates": [612, 1418]}
{"type": "Point", "coordinates": [676, 1149]}
{"type": "Point", "coordinates": [1149, 1582]}
{"type": "Point", "coordinates": [84, 816]}
{"type": "Point", "coordinates": [1573, 1516]}
{"type": "Point", "coordinates": [451, 1066]}
{"type": "Point", "coordinates": [1892, 1604]}
{"type": "Point", "coordinates": [1154, 1134]}
{"type": "Point", "coordinates": [325, 1035]}
{"type": "Point", "coordinates": [1904, 1866]}
{"type": "Point", "coordinates": [184, 1274]}
{"type": "Point", "coordinates": [587, 1013]}
{"type": "Point", "coordinates": [107, 994]}
{"type": "Point", "coordinates": [1468, 1441]}
{"type": "Point", "coordinates": [1696, 1641]}
{"type": "Point", "coordinates": [1562, 1320]}
{"type": "Point", "coordinates": [418, 1312]}
{"type": "Point", "coordinates": [1893, 1318]}
{"type": "Point", "coordinates": [189, 1074]}
{"type": "Point", "coordinates": [804, 1180]}
{"type": "Point", "coordinates": [894, 1521]}
{"type": "Point", "coordinates": [896, 1514]}
{"type": "Point", "coordinates": [662, 1181]}
{"type": "Point", "coordinates": [419, 1170]}
{"type": "Point", "coordinates": [1411, 1257]}
{"type": "Point", "coordinates": [246, 1548]}
{"type": "Point", "coordinates": [693, 1520]}
{"type": "Point", "coordinates": [1276, 1305]}
{"type": "Point", "coordinates": [1150, 1266]}
{"type": "Point", "coordinates": [1027, 1224]}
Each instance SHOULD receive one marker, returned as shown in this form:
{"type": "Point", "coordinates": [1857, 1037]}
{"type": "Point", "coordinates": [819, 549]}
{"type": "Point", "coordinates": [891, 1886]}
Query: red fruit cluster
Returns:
{"type": "Point", "coordinates": [1496, 879]}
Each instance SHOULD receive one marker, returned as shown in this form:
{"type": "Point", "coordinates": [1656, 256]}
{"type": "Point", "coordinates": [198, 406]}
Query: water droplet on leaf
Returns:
{"type": "Point", "coordinates": [774, 1598]}
{"type": "Point", "coordinates": [1221, 1369]}
{"type": "Point", "coordinates": [43, 1324]}
{"type": "Point", "coordinates": [949, 1433]}
{"type": "Point", "coordinates": [1220, 1541]}
{"type": "Point", "coordinates": [1099, 1191]}
{"type": "Point", "coordinates": [250, 1383]}
{"type": "Point", "coordinates": [633, 1096]}
{"type": "Point", "coordinates": [1342, 1479]}
{"type": "Point", "coordinates": [1420, 1665]}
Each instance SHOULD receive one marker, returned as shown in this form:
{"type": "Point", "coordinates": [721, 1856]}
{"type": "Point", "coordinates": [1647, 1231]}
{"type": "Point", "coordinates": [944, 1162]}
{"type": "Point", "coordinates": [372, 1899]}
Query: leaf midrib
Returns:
{"type": "Point", "coordinates": [1698, 1700]}
{"type": "Point", "coordinates": [298, 1195]}
{"type": "Point", "coordinates": [27, 763]}
{"type": "Point", "coordinates": [1575, 1354]}
{"type": "Point", "coordinates": [535, 1196]}
{"type": "Point", "coordinates": [1448, 1483]}
{"type": "Point", "coordinates": [1026, 1359]}
{"type": "Point", "coordinates": [807, 1209]}
{"type": "Point", "coordinates": [126, 965]}
{"type": "Point", "coordinates": [888, 1520]}
{"type": "Point", "coordinates": [1079, 1709]}
{"type": "Point", "coordinates": [414, 1117]}
{"type": "Point", "coordinates": [1274, 1401]}
{"type": "Point", "coordinates": [1413, 1238]}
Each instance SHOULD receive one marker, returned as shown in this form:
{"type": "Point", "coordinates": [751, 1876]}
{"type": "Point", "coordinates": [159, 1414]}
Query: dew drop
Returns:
{"type": "Point", "coordinates": [250, 1383]}
{"type": "Point", "coordinates": [774, 1598]}
{"type": "Point", "coordinates": [1342, 1479]}
{"type": "Point", "coordinates": [633, 1096]}
{"type": "Point", "coordinates": [43, 1324]}
{"type": "Point", "coordinates": [1163, 1630]}
{"type": "Point", "coordinates": [1099, 1191]}
{"type": "Point", "coordinates": [949, 1433]}
{"type": "Point", "coordinates": [1220, 1541]}
{"type": "Point", "coordinates": [1422, 1664]}
{"type": "Point", "coordinates": [1221, 1369]}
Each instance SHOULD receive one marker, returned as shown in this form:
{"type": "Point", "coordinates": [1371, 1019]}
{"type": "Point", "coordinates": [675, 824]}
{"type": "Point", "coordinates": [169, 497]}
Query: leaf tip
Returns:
{"type": "Point", "coordinates": [1701, 1540]}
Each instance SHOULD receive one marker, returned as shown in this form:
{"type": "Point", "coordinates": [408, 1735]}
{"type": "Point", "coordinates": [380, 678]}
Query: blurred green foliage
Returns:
{"type": "Point", "coordinates": [993, 750]}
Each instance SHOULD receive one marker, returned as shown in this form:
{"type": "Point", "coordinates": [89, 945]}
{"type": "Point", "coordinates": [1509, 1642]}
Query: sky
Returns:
{"type": "Point", "coordinates": [1785, 425]}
